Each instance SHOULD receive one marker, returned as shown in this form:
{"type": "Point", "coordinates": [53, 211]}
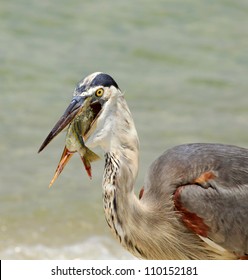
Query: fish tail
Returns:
{"type": "Point", "coordinates": [87, 166]}
{"type": "Point", "coordinates": [91, 156]}
{"type": "Point", "coordinates": [87, 158]}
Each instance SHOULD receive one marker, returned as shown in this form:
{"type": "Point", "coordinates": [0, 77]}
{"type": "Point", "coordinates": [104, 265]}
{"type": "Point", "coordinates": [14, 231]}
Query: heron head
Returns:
{"type": "Point", "coordinates": [100, 92]}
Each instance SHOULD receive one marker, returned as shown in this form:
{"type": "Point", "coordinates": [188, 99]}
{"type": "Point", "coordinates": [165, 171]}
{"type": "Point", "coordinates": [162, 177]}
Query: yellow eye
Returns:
{"type": "Point", "coordinates": [99, 92]}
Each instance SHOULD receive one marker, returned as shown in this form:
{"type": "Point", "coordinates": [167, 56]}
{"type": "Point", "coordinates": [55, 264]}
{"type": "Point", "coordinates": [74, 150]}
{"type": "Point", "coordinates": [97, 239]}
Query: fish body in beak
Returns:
{"type": "Point", "coordinates": [74, 142]}
{"type": "Point", "coordinates": [79, 116]}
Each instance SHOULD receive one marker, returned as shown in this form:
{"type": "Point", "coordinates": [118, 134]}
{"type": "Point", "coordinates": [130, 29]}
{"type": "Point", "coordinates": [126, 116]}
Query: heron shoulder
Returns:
{"type": "Point", "coordinates": [182, 164]}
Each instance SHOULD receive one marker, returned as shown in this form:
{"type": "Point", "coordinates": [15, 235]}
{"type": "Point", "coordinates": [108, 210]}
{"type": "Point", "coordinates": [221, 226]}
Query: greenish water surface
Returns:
{"type": "Point", "coordinates": [183, 67]}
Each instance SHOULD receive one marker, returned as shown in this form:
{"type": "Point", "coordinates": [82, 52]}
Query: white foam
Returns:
{"type": "Point", "coordinates": [96, 248]}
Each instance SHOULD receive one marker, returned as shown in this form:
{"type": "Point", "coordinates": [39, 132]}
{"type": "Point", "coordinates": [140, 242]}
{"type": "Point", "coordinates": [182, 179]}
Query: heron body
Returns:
{"type": "Point", "coordinates": [194, 203]}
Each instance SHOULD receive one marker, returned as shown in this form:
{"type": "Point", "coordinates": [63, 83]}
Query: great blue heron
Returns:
{"type": "Point", "coordinates": [194, 203]}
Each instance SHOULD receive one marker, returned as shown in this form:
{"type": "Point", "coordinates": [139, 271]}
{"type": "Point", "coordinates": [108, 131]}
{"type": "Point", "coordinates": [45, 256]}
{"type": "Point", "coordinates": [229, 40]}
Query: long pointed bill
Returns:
{"type": "Point", "coordinates": [72, 110]}
{"type": "Point", "coordinates": [65, 157]}
{"type": "Point", "coordinates": [77, 106]}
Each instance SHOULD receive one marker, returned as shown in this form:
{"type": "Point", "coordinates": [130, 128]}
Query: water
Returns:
{"type": "Point", "coordinates": [183, 66]}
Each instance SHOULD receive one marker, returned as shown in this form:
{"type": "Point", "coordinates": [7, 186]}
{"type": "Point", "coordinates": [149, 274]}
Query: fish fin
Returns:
{"type": "Point", "coordinates": [65, 157]}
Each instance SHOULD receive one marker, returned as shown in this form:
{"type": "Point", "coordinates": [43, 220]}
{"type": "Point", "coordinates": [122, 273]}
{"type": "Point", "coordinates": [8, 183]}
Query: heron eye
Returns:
{"type": "Point", "coordinates": [99, 92]}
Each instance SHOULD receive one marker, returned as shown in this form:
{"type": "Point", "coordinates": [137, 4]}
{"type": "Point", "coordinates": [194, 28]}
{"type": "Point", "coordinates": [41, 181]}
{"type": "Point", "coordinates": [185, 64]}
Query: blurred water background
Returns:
{"type": "Point", "coordinates": [183, 66]}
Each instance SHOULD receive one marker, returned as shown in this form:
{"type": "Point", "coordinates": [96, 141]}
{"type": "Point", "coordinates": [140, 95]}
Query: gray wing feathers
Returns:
{"type": "Point", "coordinates": [224, 211]}
{"type": "Point", "coordinates": [223, 203]}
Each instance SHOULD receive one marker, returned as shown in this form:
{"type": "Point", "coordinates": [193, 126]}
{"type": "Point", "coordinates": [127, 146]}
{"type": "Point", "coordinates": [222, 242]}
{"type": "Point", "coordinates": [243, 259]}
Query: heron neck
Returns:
{"type": "Point", "coordinates": [122, 154]}
{"type": "Point", "coordinates": [121, 167]}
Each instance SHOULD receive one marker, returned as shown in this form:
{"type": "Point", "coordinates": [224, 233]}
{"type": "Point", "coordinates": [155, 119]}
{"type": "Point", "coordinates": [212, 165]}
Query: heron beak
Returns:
{"type": "Point", "coordinates": [77, 106]}
{"type": "Point", "coordinates": [70, 113]}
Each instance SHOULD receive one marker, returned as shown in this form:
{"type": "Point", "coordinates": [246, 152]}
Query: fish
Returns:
{"type": "Point", "coordinates": [74, 142]}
